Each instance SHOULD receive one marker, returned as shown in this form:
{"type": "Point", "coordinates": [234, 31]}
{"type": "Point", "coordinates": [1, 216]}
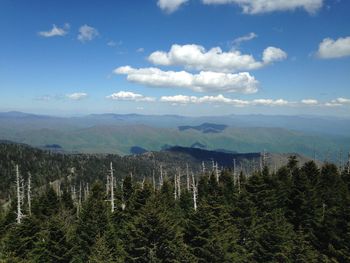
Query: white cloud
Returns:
{"type": "Point", "coordinates": [204, 81]}
{"type": "Point", "coordinates": [239, 40]}
{"type": "Point", "coordinates": [342, 100]}
{"type": "Point", "coordinates": [129, 96]}
{"type": "Point", "coordinates": [197, 57]}
{"type": "Point", "coordinates": [272, 54]}
{"type": "Point", "coordinates": [170, 6]}
{"type": "Point", "coordinates": [338, 102]}
{"type": "Point", "coordinates": [221, 99]}
{"type": "Point", "coordinates": [77, 96]}
{"type": "Point", "coordinates": [270, 102]}
{"type": "Point", "coordinates": [310, 102]}
{"type": "Point", "coordinates": [266, 6]}
{"type": "Point", "coordinates": [330, 48]}
{"type": "Point", "coordinates": [179, 99]}
{"type": "Point", "coordinates": [55, 31]}
{"type": "Point", "coordinates": [140, 50]}
{"type": "Point", "coordinates": [87, 33]}
{"type": "Point", "coordinates": [333, 104]}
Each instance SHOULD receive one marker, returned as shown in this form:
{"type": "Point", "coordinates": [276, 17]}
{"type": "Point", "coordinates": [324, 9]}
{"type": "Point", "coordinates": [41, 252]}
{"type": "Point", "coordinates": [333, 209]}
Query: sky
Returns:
{"type": "Point", "coordinates": [185, 57]}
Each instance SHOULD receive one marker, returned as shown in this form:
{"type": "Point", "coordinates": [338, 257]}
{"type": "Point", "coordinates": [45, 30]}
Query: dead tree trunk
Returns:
{"type": "Point", "coordinates": [175, 187]}
{"type": "Point", "coordinates": [187, 178]}
{"type": "Point", "coordinates": [161, 177]}
{"type": "Point", "coordinates": [143, 183]}
{"type": "Point", "coordinates": [29, 192]}
{"type": "Point", "coordinates": [19, 196]}
{"type": "Point", "coordinates": [179, 185]}
{"type": "Point", "coordinates": [194, 190]}
{"type": "Point", "coordinates": [112, 187]}
{"type": "Point", "coordinates": [217, 172]}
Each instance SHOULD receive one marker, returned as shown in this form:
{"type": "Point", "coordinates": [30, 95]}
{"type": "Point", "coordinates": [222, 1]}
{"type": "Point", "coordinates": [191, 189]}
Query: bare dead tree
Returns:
{"type": "Point", "coordinates": [19, 185]}
{"type": "Point", "coordinates": [29, 192]}
{"type": "Point", "coordinates": [161, 177]}
{"type": "Point", "coordinates": [175, 187]}
{"type": "Point", "coordinates": [217, 172]}
{"type": "Point", "coordinates": [187, 178]}
{"type": "Point", "coordinates": [179, 185]}
{"type": "Point", "coordinates": [239, 183]}
{"type": "Point", "coordinates": [79, 200]}
{"type": "Point", "coordinates": [123, 205]}
{"type": "Point", "coordinates": [195, 192]}
{"type": "Point", "coordinates": [143, 183]}
{"type": "Point", "coordinates": [108, 186]}
{"type": "Point", "coordinates": [112, 187]}
{"type": "Point", "coordinates": [154, 181]}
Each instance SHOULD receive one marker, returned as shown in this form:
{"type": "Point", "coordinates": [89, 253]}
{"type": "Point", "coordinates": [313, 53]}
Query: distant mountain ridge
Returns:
{"type": "Point", "coordinates": [120, 134]}
{"type": "Point", "coordinates": [310, 124]}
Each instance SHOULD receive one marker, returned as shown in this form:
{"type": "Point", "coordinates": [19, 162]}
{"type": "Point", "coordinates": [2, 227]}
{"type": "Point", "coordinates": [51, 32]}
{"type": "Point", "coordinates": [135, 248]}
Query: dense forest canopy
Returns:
{"type": "Point", "coordinates": [300, 213]}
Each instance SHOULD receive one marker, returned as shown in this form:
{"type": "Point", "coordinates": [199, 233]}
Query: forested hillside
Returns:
{"type": "Point", "coordinates": [53, 167]}
{"type": "Point", "coordinates": [298, 214]}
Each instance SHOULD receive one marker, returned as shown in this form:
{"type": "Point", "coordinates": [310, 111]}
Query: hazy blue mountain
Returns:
{"type": "Point", "coordinates": [115, 133]}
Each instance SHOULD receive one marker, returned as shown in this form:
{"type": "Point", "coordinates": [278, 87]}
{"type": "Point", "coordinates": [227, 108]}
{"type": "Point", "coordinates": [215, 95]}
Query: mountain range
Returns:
{"type": "Point", "coordinates": [126, 134]}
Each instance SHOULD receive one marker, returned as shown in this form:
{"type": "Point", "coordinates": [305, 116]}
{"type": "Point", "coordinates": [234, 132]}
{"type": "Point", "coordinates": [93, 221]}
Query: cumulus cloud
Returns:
{"type": "Point", "coordinates": [338, 102]}
{"type": "Point", "coordinates": [221, 99]}
{"type": "Point", "coordinates": [266, 6]}
{"type": "Point", "coordinates": [236, 42]}
{"type": "Point", "coordinates": [169, 6]}
{"type": "Point", "coordinates": [197, 57]}
{"type": "Point", "coordinates": [342, 100]}
{"type": "Point", "coordinates": [87, 33]}
{"type": "Point", "coordinates": [204, 81]}
{"type": "Point", "coordinates": [77, 96]}
{"type": "Point", "coordinates": [330, 48]}
{"type": "Point", "coordinates": [55, 31]}
{"type": "Point", "coordinates": [129, 96]}
{"type": "Point", "coordinates": [310, 102]}
{"type": "Point", "coordinates": [272, 54]}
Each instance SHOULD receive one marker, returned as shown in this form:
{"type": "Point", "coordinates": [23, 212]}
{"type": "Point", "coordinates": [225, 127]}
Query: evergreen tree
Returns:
{"type": "Point", "coordinates": [100, 252]}
{"type": "Point", "coordinates": [92, 222]}
{"type": "Point", "coordinates": [51, 244]}
{"type": "Point", "coordinates": [154, 237]}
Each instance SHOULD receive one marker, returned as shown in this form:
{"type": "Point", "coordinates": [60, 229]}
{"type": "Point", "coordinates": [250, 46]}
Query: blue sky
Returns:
{"type": "Point", "coordinates": [194, 57]}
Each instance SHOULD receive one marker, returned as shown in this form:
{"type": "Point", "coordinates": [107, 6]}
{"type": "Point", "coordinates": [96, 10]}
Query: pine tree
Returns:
{"type": "Point", "coordinates": [21, 238]}
{"type": "Point", "coordinates": [272, 238]}
{"type": "Point", "coordinates": [51, 244]}
{"type": "Point", "coordinates": [154, 237]}
{"type": "Point", "coordinates": [93, 221]}
{"type": "Point", "coordinates": [100, 252]}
